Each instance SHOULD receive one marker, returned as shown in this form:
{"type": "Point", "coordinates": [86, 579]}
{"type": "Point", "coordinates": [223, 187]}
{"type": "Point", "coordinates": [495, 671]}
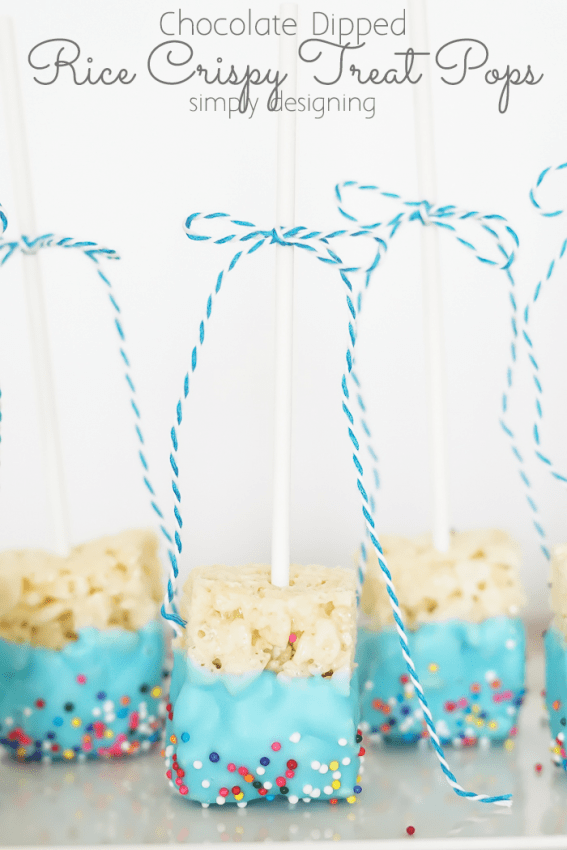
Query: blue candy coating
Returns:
{"type": "Point", "coordinates": [472, 675]}
{"type": "Point", "coordinates": [242, 717]}
{"type": "Point", "coordinates": [556, 692]}
{"type": "Point", "coordinates": [47, 709]}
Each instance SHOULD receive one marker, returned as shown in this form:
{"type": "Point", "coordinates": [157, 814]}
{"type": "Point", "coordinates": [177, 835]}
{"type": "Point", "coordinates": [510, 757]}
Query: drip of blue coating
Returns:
{"type": "Point", "coordinates": [472, 673]}
{"type": "Point", "coordinates": [264, 734]}
{"type": "Point", "coordinates": [100, 695]}
{"type": "Point", "coordinates": [556, 692]}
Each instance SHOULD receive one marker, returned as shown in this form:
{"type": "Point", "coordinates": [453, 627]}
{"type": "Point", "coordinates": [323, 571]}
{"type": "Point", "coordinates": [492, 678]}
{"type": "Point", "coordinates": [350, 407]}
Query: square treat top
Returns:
{"type": "Point", "coordinates": [475, 579]}
{"type": "Point", "coordinates": [110, 582]}
{"type": "Point", "coordinates": [239, 622]}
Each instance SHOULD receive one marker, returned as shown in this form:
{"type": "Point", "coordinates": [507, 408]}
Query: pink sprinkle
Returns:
{"type": "Point", "coordinates": [232, 768]}
{"type": "Point", "coordinates": [81, 679]}
{"type": "Point", "coordinates": [276, 746]}
{"type": "Point", "coordinates": [242, 771]}
{"type": "Point", "coordinates": [87, 745]}
{"type": "Point", "coordinates": [223, 792]}
{"type": "Point", "coordinates": [134, 720]}
{"type": "Point", "coordinates": [462, 702]}
{"type": "Point", "coordinates": [280, 781]}
{"type": "Point", "coordinates": [292, 637]}
{"type": "Point", "coordinates": [179, 781]}
{"type": "Point", "coordinates": [290, 774]}
{"type": "Point", "coordinates": [183, 789]}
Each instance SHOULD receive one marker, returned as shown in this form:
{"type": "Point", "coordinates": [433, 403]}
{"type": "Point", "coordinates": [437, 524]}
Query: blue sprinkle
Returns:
{"type": "Point", "coordinates": [122, 713]}
{"type": "Point", "coordinates": [265, 761]}
{"type": "Point", "coordinates": [101, 695]}
{"type": "Point", "coordinates": [58, 721]}
{"type": "Point", "coordinates": [214, 757]}
{"type": "Point", "coordinates": [357, 789]}
{"type": "Point", "coordinates": [185, 737]}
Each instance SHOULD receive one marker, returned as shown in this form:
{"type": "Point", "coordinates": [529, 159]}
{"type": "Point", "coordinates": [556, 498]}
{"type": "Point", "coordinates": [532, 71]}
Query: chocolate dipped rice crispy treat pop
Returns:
{"type": "Point", "coordinates": [81, 651]}
{"type": "Point", "coordinates": [468, 644]}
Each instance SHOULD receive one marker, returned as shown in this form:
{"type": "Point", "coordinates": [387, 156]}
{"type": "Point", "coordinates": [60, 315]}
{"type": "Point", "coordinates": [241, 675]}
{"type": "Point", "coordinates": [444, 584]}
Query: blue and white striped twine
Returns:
{"type": "Point", "coordinates": [542, 454]}
{"type": "Point", "coordinates": [93, 252]}
{"type": "Point", "coordinates": [318, 243]}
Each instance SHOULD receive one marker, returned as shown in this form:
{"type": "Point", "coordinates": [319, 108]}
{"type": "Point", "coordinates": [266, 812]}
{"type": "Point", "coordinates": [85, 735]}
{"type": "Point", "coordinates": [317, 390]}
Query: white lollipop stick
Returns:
{"type": "Point", "coordinates": [39, 339]}
{"type": "Point", "coordinates": [285, 216]}
{"type": "Point", "coordinates": [432, 292]}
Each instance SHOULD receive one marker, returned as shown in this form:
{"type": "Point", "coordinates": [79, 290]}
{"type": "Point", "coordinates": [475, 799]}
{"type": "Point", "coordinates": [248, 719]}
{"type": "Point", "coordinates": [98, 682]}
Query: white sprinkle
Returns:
{"type": "Point", "coordinates": [145, 745]}
{"type": "Point", "coordinates": [242, 804]}
{"type": "Point", "coordinates": [151, 718]}
{"type": "Point", "coordinates": [27, 712]}
{"type": "Point", "coordinates": [46, 745]}
{"type": "Point", "coordinates": [316, 792]}
{"type": "Point", "coordinates": [260, 770]}
{"type": "Point", "coordinates": [324, 768]}
{"type": "Point", "coordinates": [457, 742]}
{"type": "Point", "coordinates": [392, 701]}
{"type": "Point", "coordinates": [82, 757]}
{"type": "Point", "coordinates": [109, 718]}
{"type": "Point", "coordinates": [346, 761]}
{"type": "Point", "coordinates": [205, 805]}
{"type": "Point", "coordinates": [96, 712]}
{"type": "Point", "coordinates": [108, 705]}
{"type": "Point", "coordinates": [561, 736]}
{"type": "Point", "coordinates": [484, 742]}
{"type": "Point", "coordinates": [307, 789]}
{"type": "Point", "coordinates": [306, 799]}
{"type": "Point", "coordinates": [327, 789]}
{"type": "Point", "coordinates": [169, 750]}
{"type": "Point", "coordinates": [364, 726]}
{"type": "Point", "coordinates": [220, 801]}
{"type": "Point", "coordinates": [295, 737]}
{"type": "Point", "coordinates": [292, 799]}
{"type": "Point", "coordinates": [361, 769]}
{"type": "Point", "coordinates": [205, 783]}
{"type": "Point", "coordinates": [143, 706]}
{"type": "Point", "coordinates": [490, 675]}
{"type": "Point", "coordinates": [197, 764]}
{"type": "Point", "coordinates": [9, 721]}
{"type": "Point", "coordinates": [511, 710]}
{"type": "Point", "coordinates": [315, 765]}
{"type": "Point", "coordinates": [267, 785]}
{"type": "Point", "coordinates": [510, 644]}
{"type": "Point", "coordinates": [342, 742]}
{"type": "Point", "coordinates": [337, 774]}
{"type": "Point", "coordinates": [368, 685]}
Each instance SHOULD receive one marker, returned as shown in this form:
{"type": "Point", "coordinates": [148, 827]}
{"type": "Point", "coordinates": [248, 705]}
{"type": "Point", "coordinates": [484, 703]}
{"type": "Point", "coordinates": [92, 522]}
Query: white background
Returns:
{"type": "Point", "coordinates": [125, 165]}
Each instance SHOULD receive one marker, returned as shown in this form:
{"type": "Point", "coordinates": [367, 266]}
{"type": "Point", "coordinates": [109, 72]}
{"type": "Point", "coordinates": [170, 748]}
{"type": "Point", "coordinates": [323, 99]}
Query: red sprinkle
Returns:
{"type": "Point", "coordinates": [410, 830]}
{"type": "Point", "coordinates": [183, 789]}
{"type": "Point", "coordinates": [235, 790]}
{"type": "Point", "coordinates": [361, 751]}
{"type": "Point", "coordinates": [243, 771]}
{"type": "Point", "coordinates": [168, 774]}
{"type": "Point", "coordinates": [538, 768]}
{"type": "Point", "coordinates": [39, 703]}
{"type": "Point", "coordinates": [292, 764]}
{"type": "Point", "coordinates": [262, 791]}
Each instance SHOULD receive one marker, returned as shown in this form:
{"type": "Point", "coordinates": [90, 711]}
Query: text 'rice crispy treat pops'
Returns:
{"type": "Point", "coordinates": [264, 698]}
{"type": "Point", "coordinates": [467, 643]}
{"type": "Point", "coordinates": [556, 657]}
{"type": "Point", "coordinates": [81, 651]}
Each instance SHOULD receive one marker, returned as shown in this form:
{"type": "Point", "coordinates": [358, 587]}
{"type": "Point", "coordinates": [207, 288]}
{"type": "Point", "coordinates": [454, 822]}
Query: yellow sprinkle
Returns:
{"type": "Point", "coordinates": [108, 733]}
{"type": "Point", "coordinates": [156, 692]}
{"type": "Point", "coordinates": [173, 739]}
{"type": "Point", "coordinates": [239, 796]}
{"type": "Point", "coordinates": [555, 750]}
{"type": "Point", "coordinates": [335, 784]}
{"type": "Point", "coordinates": [358, 779]}
{"type": "Point", "coordinates": [76, 721]}
{"type": "Point", "coordinates": [433, 668]}
{"type": "Point", "coordinates": [351, 799]}
{"type": "Point", "coordinates": [239, 830]}
{"type": "Point", "coordinates": [20, 752]}
{"type": "Point", "coordinates": [492, 724]}
{"type": "Point", "coordinates": [469, 718]}
{"type": "Point", "coordinates": [479, 721]}
{"type": "Point", "coordinates": [334, 765]}
{"type": "Point", "coordinates": [509, 744]}
{"type": "Point", "coordinates": [68, 754]}
{"type": "Point", "coordinates": [475, 708]}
